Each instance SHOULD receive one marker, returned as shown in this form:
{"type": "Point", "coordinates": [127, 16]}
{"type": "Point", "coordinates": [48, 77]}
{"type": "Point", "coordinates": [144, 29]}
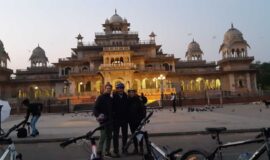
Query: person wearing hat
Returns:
{"type": "Point", "coordinates": [103, 113]}
{"type": "Point", "coordinates": [120, 109]}
{"type": "Point", "coordinates": [136, 113]}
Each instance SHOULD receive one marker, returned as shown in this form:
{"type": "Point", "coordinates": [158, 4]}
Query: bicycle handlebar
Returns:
{"type": "Point", "coordinates": [72, 140]}
{"type": "Point", "coordinates": [87, 135]}
{"type": "Point", "coordinates": [264, 132]}
{"type": "Point", "coordinates": [13, 128]}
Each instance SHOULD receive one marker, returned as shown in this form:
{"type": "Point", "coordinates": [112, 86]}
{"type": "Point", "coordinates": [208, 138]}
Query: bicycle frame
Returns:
{"type": "Point", "coordinates": [89, 135]}
{"type": "Point", "coordinates": [255, 156]}
{"type": "Point", "coordinates": [153, 151]}
{"type": "Point", "coordinates": [10, 150]}
{"type": "Point", "coordinates": [11, 147]}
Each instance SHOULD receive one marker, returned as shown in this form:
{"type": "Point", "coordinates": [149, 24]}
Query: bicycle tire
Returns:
{"type": "Point", "coordinates": [196, 154]}
{"type": "Point", "coordinates": [19, 156]}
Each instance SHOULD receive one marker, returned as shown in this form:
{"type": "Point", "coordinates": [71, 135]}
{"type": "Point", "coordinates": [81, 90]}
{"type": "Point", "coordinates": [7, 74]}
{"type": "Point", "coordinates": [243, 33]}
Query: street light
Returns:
{"type": "Point", "coordinates": [36, 92]}
{"type": "Point", "coordinates": [160, 78]}
{"type": "Point", "coordinates": [67, 84]}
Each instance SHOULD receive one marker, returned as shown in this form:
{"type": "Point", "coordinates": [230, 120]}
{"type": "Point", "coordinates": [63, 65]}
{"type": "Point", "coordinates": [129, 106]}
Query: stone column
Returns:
{"type": "Point", "coordinates": [232, 82]}
{"type": "Point", "coordinates": [60, 71]}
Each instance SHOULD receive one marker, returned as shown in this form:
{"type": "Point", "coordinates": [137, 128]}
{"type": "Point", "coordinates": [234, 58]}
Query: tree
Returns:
{"type": "Point", "coordinates": [263, 75]}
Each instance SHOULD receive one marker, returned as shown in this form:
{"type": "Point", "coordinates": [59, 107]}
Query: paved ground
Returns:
{"type": "Point", "coordinates": [234, 117]}
{"type": "Point", "coordinates": [56, 127]}
{"type": "Point", "coordinates": [52, 151]}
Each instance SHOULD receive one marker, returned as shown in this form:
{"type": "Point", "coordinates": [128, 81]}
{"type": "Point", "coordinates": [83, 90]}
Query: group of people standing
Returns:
{"type": "Point", "coordinates": [119, 110]}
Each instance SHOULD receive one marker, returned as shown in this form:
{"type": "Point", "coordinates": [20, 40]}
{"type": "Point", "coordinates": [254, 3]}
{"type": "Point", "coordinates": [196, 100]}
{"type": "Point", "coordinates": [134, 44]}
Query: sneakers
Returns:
{"type": "Point", "coordinates": [99, 155]}
{"type": "Point", "coordinates": [135, 151]}
{"type": "Point", "coordinates": [33, 135]}
{"type": "Point", "coordinates": [141, 150]}
{"type": "Point", "coordinates": [116, 155]}
{"type": "Point", "coordinates": [108, 154]}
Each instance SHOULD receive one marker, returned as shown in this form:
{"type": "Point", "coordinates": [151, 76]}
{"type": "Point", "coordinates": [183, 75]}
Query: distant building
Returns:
{"type": "Point", "coordinates": [118, 55]}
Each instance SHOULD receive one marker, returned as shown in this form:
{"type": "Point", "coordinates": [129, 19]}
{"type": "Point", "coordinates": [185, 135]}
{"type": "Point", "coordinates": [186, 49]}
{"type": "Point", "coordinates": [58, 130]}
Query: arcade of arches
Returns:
{"type": "Point", "coordinates": [198, 84]}
{"type": "Point", "coordinates": [35, 92]}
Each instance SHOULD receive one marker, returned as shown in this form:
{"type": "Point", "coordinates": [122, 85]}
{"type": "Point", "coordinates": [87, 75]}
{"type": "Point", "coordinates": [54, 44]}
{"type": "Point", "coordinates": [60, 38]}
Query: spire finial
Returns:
{"type": "Point", "coordinates": [193, 39]}
{"type": "Point", "coordinates": [231, 25]}
{"type": "Point", "coordinates": [38, 44]}
{"type": "Point", "coordinates": [115, 11]}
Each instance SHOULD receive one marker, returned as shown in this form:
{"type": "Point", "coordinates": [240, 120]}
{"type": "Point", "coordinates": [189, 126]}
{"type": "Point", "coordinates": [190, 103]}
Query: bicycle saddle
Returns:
{"type": "Point", "coordinates": [216, 130]}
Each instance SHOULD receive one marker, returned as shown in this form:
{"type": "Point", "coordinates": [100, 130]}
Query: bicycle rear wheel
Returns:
{"type": "Point", "coordinates": [195, 155]}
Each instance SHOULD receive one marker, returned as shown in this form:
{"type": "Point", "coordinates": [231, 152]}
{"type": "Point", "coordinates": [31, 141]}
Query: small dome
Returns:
{"type": "Point", "coordinates": [107, 21]}
{"type": "Point", "coordinates": [194, 47]}
{"type": "Point", "coordinates": [2, 48]}
{"type": "Point", "coordinates": [233, 34]}
{"type": "Point", "coordinates": [38, 54]}
{"type": "Point", "coordinates": [231, 37]}
{"type": "Point", "coordinates": [152, 34]}
{"type": "Point", "coordinates": [1, 44]}
{"type": "Point", "coordinates": [3, 53]}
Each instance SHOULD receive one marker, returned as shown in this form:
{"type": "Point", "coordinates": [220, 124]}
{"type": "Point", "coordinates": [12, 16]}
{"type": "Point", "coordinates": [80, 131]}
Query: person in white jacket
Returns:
{"type": "Point", "coordinates": [173, 100]}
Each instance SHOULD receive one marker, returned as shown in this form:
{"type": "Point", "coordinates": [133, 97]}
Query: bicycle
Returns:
{"type": "Point", "coordinates": [11, 150]}
{"type": "Point", "coordinates": [153, 151]}
{"type": "Point", "coordinates": [87, 136]}
{"type": "Point", "coordinates": [200, 154]}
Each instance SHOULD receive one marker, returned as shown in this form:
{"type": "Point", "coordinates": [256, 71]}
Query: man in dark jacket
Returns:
{"type": "Point", "coordinates": [136, 113]}
{"type": "Point", "coordinates": [103, 114]}
{"type": "Point", "coordinates": [34, 109]}
{"type": "Point", "coordinates": [120, 109]}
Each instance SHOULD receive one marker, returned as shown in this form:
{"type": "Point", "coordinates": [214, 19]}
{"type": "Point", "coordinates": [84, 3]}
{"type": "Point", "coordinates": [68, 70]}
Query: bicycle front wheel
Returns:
{"type": "Point", "coordinates": [195, 155]}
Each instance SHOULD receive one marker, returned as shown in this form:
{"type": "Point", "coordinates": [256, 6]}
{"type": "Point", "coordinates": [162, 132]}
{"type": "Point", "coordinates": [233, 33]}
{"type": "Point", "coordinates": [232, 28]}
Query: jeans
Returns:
{"type": "Point", "coordinates": [105, 139]}
{"type": "Point", "coordinates": [174, 106]}
{"type": "Point", "coordinates": [33, 124]}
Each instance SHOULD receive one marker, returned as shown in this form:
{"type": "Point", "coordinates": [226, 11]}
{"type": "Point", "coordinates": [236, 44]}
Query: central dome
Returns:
{"type": "Point", "coordinates": [116, 18]}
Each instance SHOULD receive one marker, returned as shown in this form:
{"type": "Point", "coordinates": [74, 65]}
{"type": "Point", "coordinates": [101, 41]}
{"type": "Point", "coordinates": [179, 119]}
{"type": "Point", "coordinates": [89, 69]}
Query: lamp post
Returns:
{"type": "Point", "coordinates": [161, 78]}
{"type": "Point", "coordinates": [36, 92]}
{"type": "Point", "coordinates": [67, 84]}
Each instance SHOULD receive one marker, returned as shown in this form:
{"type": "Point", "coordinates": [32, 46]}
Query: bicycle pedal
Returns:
{"type": "Point", "coordinates": [19, 156]}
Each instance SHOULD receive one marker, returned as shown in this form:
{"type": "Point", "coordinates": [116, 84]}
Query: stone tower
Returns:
{"type": "Point", "coordinates": [4, 72]}
{"type": "Point", "coordinates": [236, 64]}
{"type": "Point", "coordinates": [3, 56]}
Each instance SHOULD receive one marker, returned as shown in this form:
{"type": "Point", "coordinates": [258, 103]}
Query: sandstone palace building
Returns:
{"type": "Point", "coordinates": [118, 55]}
